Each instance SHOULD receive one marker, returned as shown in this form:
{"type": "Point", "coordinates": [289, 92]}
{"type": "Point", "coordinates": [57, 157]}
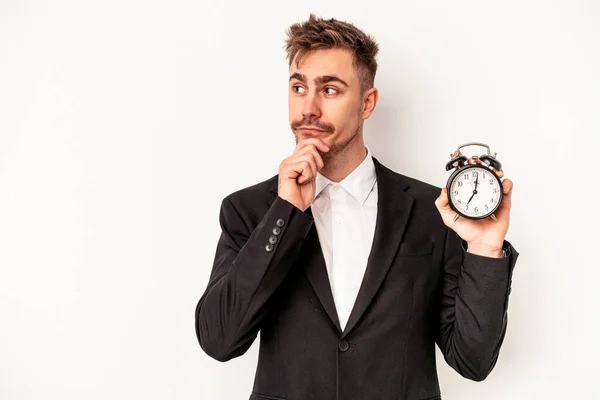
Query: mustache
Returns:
{"type": "Point", "coordinates": [310, 122]}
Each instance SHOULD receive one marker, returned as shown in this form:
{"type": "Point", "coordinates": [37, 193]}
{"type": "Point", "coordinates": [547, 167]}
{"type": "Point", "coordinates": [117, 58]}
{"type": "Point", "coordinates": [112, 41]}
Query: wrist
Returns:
{"type": "Point", "coordinates": [486, 250]}
{"type": "Point", "coordinates": [298, 206]}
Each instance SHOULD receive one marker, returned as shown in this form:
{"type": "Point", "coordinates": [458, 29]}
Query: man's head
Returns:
{"type": "Point", "coordinates": [332, 71]}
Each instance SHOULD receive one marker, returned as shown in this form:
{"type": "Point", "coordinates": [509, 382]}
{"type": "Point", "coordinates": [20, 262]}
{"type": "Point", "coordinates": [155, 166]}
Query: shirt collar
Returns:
{"type": "Point", "coordinates": [358, 183]}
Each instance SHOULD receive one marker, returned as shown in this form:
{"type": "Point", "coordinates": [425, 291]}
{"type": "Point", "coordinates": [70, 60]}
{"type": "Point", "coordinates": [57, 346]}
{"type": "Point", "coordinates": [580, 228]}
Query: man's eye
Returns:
{"type": "Point", "coordinates": [298, 89]}
{"type": "Point", "coordinates": [330, 90]}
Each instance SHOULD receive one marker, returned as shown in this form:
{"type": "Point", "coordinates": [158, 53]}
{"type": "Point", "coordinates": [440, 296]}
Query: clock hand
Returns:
{"type": "Point", "coordinates": [474, 191]}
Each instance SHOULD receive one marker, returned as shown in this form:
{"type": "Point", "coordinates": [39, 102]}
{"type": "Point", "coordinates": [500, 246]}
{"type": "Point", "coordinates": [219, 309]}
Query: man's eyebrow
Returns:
{"type": "Point", "coordinates": [298, 76]}
{"type": "Point", "coordinates": [319, 80]}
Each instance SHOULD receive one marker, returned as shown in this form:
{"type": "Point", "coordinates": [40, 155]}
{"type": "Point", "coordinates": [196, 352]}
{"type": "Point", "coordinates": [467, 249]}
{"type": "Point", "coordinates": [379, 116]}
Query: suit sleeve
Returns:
{"type": "Point", "coordinates": [473, 309]}
{"type": "Point", "coordinates": [248, 268]}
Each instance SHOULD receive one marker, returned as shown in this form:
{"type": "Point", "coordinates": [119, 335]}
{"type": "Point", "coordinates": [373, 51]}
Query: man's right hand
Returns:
{"type": "Point", "coordinates": [298, 172]}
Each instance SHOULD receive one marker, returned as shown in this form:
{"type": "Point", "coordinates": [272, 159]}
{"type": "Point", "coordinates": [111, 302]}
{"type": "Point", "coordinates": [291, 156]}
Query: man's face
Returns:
{"type": "Point", "coordinates": [325, 99]}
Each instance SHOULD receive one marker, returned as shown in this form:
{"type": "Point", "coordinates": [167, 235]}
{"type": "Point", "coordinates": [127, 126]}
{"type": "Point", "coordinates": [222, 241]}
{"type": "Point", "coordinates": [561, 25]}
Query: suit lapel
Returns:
{"type": "Point", "coordinates": [393, 210]}
{"type": "Point", "coordinates": [316, 271]}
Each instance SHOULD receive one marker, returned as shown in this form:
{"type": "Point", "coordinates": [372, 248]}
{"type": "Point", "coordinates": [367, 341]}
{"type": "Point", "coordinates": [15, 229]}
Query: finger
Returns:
{"type": "Point", "coordinates": [456, 154]}
{"type": "Point", "coordinates": [313, 158]}
{"type": "Point", "coordinates": [304, 171]}
{"type": "Point", "coordinates": [317, 142]}
{"type": "Point", "coordinates": [310, 171]}
{"type": "Point", "coordinates": [318, 160]}
{"type": "Point", "coordinates": [507, 187]}
{"type": "Point", "coordinates": [311, 149]}
{"type": "Point", "coordinates": [310, 158]}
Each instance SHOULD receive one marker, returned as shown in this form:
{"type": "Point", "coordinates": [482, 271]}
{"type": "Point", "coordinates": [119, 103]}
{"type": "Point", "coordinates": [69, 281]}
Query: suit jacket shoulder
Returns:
{"type": "Point", "coordinates": [417, 187]}
{"type": "Point", "coordinates": [258, 190]}
{"type": "Point", "coordinates": [252, 202]}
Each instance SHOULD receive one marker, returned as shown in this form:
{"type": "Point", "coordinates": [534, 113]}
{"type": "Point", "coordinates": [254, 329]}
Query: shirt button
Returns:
{"type": "Point", "coordinates": [280, 222]}
{"type": "Point", "coordinates": [343, 345]}
{"type": "Point", "coordinates": [273, 239]}
{"type": "Point", "coordinates": [336, 188]}
{"type": "Point", "coordinates": [269, 247]}
{"type": "Point", "coordinates": [276, 230]}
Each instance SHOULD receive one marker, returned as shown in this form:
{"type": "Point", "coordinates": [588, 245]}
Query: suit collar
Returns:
{"type": "Point", "coordinates": [394, 206]}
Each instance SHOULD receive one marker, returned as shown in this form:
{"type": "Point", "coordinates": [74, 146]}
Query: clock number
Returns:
{"type": "Point", "coordinates": [491, 181]}
{"type": "Point", "coordinates": [467, 207]}
{"type": "Point", "coordinates": [459, 183]}
{"type": "Point", "coordinates": [486, 207]}
{"type": "Point", "coordinates": [484, 175]}
{"type": "Point", "coordinates": [456, 192]}
{"type": "Point", "coordinates": [459, 201]}
{"type": "Point", "coordinates": [492, 199]}
{"type": "Point", "coordinates": [476, 209]}
{"type": "Point", "coordinates": [467, 176]}
{"type": "Point", "coordinates": [474, 174]}
{"type": "Point", "coordinates": [495, 191]}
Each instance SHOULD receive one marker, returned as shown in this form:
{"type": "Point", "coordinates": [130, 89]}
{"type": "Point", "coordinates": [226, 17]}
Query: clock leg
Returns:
{"type": "Point", "coordinates": [455, 218]}
{"type": "Point", "coordinates": [494, 217]}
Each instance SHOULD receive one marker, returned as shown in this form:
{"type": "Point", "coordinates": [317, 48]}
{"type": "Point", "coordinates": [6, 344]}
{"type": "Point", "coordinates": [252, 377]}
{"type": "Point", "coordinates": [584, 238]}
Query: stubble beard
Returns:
{"type": "Point", "coordinates": [337, 153]}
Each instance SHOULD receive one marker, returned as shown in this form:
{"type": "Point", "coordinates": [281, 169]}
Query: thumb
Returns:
{"type": "Point", "coordinates": [442, 203]}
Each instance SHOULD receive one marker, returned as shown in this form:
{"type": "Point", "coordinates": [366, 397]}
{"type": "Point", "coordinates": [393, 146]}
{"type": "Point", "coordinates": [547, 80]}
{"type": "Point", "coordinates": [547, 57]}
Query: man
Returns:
{"type": "Point", "coordinates": [344, 266]}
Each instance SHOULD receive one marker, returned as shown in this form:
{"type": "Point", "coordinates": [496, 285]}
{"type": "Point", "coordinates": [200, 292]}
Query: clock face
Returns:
{"type": "Point", "coordinates": [474, 191]}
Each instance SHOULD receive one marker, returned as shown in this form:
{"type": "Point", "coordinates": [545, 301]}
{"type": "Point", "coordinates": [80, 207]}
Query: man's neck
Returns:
{"type": "Point", "coordinates": [344, 163]}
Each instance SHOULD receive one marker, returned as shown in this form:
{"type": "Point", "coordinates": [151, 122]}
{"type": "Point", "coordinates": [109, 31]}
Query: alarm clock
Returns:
{"type": "Point", "coordinates": [474, 190]}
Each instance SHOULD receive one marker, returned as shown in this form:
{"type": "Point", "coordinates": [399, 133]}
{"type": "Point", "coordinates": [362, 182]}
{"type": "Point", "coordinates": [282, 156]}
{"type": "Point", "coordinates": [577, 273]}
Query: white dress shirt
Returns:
{"type": "Point", "coordinates": [345, 215]}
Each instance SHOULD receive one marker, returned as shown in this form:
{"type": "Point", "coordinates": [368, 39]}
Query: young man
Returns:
{"type": "Point", "coordinates": [351, 272]}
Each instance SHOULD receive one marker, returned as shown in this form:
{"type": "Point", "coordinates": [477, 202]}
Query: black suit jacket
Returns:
{"type": "Point", "coordinates": [420, 288]}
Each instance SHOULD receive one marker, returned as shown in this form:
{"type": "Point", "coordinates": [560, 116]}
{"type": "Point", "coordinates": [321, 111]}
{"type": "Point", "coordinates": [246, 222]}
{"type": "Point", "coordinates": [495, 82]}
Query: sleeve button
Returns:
{"type": "Point", "coordinates": [276, 230]}
{"type": "Point", "coordinates": [273, 239]}
{"type": "Point", "coordinates": [280, 222]}
{"type": "Point", "coordinates": [269, 247]}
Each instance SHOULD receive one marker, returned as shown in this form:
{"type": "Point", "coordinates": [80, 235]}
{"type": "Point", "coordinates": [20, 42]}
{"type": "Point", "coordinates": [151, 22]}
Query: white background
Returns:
{"type": "Point", "coordinates": [124, 123]}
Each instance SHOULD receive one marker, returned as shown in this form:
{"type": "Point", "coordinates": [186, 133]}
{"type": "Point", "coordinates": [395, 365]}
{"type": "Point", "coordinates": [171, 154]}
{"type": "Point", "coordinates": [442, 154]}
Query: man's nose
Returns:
{"type": "Point", "coordinates": [311, 107]}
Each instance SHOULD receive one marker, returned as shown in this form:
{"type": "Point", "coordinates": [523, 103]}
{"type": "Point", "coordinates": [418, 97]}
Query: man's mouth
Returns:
{"type": "Point", "coordinates": [311, 130]}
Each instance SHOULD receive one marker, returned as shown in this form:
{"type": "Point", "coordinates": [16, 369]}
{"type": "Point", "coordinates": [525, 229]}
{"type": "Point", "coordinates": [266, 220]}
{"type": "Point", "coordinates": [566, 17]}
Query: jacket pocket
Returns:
{"type": "Point", "coordinates": [256, 396]}
{"type": "Point", "coordinates": [415, 248]}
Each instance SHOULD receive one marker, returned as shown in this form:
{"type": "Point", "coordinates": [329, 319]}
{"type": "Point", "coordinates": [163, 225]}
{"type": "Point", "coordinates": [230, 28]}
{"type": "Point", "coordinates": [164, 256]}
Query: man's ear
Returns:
{"type": "Point", "coordinates": [369, 102]}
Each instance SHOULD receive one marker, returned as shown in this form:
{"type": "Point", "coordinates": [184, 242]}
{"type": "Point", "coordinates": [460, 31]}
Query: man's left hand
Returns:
{"type": "Point", "coordinates": [483, 236]}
